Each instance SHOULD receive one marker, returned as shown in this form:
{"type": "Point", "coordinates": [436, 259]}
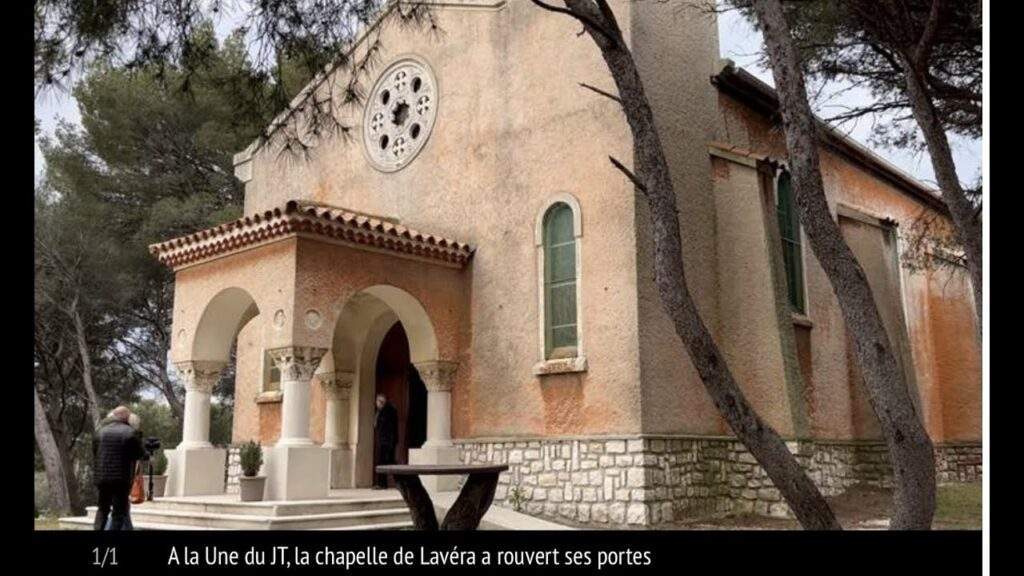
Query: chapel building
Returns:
{"type": "Point", "coordinates": [473, 254]}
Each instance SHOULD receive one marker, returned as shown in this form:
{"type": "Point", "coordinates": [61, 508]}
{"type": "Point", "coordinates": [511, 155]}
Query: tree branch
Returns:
{"type": "Point", "coordinates": [629, 174]}
{"type": "Point", "coordinates": [931, 26]}
{"type": "Point", "coordinates": [601, 92]}
{"type": "Point", "coordinates": [582, 18]}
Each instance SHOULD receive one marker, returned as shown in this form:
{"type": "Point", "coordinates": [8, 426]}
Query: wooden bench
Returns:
{"type": "Point", "coordinates": [469, 508]}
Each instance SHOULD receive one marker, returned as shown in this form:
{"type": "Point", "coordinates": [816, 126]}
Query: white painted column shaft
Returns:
{"type": "Point", "coordinates": [337, 391]}
{"type": "Point", "coordinates": [297, 365]}
{"type": "Point", "coordinates": [199, 378]}
{"type": "Point", "coordinates": [438, 377]}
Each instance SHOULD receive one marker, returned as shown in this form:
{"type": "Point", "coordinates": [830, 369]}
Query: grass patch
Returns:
{"type": "Point", "coordinates": [47, 523]}
{"type": "Point", "coordinates": [958, 506]}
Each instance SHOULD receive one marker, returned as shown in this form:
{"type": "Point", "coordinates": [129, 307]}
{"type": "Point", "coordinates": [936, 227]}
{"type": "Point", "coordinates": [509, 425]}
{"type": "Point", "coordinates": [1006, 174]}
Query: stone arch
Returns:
{"type": "Point", "coordinates": [365, 318]}
{"type": "Point", "coordinates": [225, 314]}
{"type": "Point", "coordinates": [195, 466]}
{"type": "Point", "coordinates": [413, 316]}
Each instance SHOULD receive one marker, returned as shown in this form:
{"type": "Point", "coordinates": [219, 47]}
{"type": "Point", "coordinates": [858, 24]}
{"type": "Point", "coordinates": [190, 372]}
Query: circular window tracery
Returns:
{"type": "Point", "coordinates": [400, 114]}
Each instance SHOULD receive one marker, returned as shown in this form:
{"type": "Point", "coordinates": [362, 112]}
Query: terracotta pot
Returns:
{"type": "Point", "coordinates": [250, 488]}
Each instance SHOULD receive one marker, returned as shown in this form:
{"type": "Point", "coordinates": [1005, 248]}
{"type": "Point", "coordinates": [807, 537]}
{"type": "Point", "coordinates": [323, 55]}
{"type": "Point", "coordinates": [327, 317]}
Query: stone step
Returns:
{"type": "Point", "coordinates": [200, 520]}
{"type": "Point", "coordinates": [275, 509]}
{"type": "Point", "coordinates": [85, 523]}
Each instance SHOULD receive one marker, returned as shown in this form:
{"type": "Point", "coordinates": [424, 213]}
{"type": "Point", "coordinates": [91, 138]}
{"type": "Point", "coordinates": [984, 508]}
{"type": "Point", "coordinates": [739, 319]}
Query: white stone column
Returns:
{"type": "Point", "coordinates": [438, 376]}
{"type": "Point", "coordinates": [297, 365]}
{"type": "Point", "coordinates": [296, 468]}
{"type": "Point", "coordinates": [199, 378]}
{"type": "Point", "coordinates": [195, 467]}
{"type": "Point", "coordinates": [337, 387]}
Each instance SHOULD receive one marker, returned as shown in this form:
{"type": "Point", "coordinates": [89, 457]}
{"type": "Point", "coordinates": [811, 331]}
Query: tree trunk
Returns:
{"type": "Point", "coordinates": [177, 406]}
{"type": "Point", "coordinates": [653, 180]}
{"type": "Point", "coordinates": [60, 474]}
{"type": "Point", "coordinates": [83, 351]}
{"type": "Point", "coordinates": [910, 448]}
{"type": "Point", "coordinates": [966, 218]}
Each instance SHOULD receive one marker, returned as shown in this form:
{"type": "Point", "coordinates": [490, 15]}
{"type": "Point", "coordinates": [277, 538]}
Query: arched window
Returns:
{"type": "Point", "coordinates": [560, 276]}
{"type": "Point", "coordinates": [558, 234]}
{"type": "Point", "coordinates": [792, 251]}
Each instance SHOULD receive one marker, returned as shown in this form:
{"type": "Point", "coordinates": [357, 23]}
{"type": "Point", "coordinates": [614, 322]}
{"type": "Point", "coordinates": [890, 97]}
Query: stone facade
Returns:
{"type": "Point", "coordinates": [234, 469]}
{"type": "Point", "coordinates": [958, 462]}
{"type": "Point", "coordinates": [651, 480]}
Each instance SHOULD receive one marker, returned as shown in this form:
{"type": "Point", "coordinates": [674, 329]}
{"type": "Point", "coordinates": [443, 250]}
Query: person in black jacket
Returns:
{"type": "Point", "coordinates": [385, 428]}
{"type": "Point", "coordinates": [116, 448]}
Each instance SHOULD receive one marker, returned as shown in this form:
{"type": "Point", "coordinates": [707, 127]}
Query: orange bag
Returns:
{"type": "Point", "coordinates": [138, 493]}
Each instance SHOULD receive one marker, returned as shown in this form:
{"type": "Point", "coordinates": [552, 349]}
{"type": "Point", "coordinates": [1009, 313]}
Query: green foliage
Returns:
{"type": "Point", "coordinates": [174, 42]}
{"type": "Point", "coordinates": [516, 497]}
{"type": "Point", "coordinates": [863, 42]}
{"type": "Point", "coordinates": [221, 418]}
{"type": "Point", "coordinates": [151, 161]}
{"type": "Point", "coordinates": [159, 463]}
{"type": "Point", "coordinates": [959, 505]}
{"type": "Point", "coordinates": [157, 421]}
{"type": "Point", "coordinates": [251, 456]}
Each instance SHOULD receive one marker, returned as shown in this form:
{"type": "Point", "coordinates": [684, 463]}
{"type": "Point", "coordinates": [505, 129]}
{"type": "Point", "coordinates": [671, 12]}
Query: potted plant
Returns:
{"type": "Point", "coordinates": [250, 486]}
{"type": "Point", "coordinates": [159, 475]}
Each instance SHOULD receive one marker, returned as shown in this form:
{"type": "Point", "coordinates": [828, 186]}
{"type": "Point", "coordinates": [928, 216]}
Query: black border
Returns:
{"type": "Point", "coordinates": [790, 552]}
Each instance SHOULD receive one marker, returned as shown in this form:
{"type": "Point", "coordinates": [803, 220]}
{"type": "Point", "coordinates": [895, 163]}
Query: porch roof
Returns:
{"type": "Point", "coordinates": [310, 219]}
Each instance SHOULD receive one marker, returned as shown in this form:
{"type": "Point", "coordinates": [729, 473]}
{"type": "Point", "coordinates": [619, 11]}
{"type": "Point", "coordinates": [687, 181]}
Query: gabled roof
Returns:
{"type": "Point", "coordinates": [310, 219]}
{"type": "Point", "coordinates": [762, 98]}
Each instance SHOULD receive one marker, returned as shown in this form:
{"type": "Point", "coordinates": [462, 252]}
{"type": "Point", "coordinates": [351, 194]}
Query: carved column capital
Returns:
{"type": "Point", "coordinates": [199, 375]}
{"type": "Point", "coordinates": [437, 375]}
{"type": "Point", "coordinates": [337, 385]}
{"type": "Point", "coordinates": [296, 363]}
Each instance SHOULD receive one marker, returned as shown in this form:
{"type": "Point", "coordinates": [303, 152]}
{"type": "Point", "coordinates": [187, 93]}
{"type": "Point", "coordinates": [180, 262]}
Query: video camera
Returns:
{"type": "Point", "coordinates": [151, 445]}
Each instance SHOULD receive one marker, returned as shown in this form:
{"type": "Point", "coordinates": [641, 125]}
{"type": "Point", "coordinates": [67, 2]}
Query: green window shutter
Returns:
{"type": "Point", "coordinates": [560, 334]}
{"type": "Point", "coordinates": [789, 230]}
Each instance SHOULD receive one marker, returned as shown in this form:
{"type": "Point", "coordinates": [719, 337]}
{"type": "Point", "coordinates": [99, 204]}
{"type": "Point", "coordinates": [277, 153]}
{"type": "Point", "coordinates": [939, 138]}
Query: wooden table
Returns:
{"type": "Point", "coordinates": [471, 505]}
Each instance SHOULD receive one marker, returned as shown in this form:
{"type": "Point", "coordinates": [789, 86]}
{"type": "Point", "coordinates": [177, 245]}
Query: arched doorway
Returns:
{"type": "Point", "coordinates": [398, 380]}
{"type": "Point", "coordinates": [383, 338]}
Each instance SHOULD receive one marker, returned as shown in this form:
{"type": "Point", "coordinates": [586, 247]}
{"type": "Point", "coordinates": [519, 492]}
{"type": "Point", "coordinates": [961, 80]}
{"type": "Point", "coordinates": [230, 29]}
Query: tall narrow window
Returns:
{"type": "Point", "coordinates": [789, 229]}
{"type": "Point", "coordinates": [560, 326]}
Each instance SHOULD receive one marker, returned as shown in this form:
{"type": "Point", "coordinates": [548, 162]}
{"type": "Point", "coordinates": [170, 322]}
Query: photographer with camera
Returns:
{"type": "Point", "coordinates": [117, 447]}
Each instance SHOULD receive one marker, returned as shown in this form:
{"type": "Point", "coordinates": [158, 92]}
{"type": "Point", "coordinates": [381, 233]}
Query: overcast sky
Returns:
{"type": "Point", "coordinates": [738, 42]}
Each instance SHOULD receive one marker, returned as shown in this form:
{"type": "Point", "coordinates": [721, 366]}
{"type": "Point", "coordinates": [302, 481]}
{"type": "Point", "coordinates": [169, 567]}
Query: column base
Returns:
{"type": "Point", "coordinates": [342, 462]}
{"type": "Point", "coordinates": [296, 472]}
{"type": "Point", "coordinates": [195, 471]}
{"type": "Point", "coordinates": [443, 454]}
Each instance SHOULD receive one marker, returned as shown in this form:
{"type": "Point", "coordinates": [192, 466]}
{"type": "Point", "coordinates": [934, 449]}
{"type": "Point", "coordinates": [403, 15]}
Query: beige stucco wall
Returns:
{"type": "Point", "coordinates": [676, 49]}
{"type": "Point", "coordinates": [239, 280]}
{"type": "Point", "coordinates": [748, 333]}
{"type": "Point", "coordinates": [947, 370]}
{"type": "Point", "coordinates": [514, 129]}
{"type": "Point", "coordinates": [245, 424]}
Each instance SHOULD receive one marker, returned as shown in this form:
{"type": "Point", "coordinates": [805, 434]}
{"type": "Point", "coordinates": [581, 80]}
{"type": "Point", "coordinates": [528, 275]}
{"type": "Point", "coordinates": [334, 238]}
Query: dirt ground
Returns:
{"type": "Point", "coordinates": [958, 507]}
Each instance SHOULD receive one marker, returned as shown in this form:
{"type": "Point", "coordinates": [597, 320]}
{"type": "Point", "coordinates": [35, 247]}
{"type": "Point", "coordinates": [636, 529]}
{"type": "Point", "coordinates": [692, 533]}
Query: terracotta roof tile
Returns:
{"type": "Point", "coordinates": [314, 219]}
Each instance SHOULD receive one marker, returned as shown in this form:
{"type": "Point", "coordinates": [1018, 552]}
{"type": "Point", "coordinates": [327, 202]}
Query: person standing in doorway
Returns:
{"type": "Point", "coordinates": [116, 448]}
{"type": "Point", "coordinates": [385, 429]}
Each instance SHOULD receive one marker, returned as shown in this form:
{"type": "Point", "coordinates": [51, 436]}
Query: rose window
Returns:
{"type": "Point", "coordinates": [399, 115]}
